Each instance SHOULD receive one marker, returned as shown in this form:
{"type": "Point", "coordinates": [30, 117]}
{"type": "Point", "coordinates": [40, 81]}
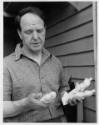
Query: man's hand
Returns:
{"type": "Point", "coordinates": [78, 93]}
{"type": "Point", "coordinates": [79, 97]}
{"type": "Point", "coordinates": [48, 98]}
{"type": "Point", "coordinates": [33, 101]}
{"type": "Point", "coordinates": [75, 100]}
{"type": "Point", "coordinates": [72, 99]}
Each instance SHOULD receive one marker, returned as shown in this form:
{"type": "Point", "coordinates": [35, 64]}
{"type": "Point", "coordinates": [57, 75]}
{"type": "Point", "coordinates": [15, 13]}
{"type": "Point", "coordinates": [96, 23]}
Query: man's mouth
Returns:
{"type": "Point", "coordinates": [36, 44]}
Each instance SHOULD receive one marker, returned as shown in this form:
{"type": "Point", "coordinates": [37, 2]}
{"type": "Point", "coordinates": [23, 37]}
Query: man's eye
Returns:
{"type": "Point", "coordinates": [28, 32]}
{"type": "Point", "coordinates": [40, 31]}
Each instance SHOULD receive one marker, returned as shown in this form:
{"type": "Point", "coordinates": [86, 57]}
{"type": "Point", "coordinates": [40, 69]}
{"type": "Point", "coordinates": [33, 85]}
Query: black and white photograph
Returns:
{"type": "Point", "coordinates": [49, 62]}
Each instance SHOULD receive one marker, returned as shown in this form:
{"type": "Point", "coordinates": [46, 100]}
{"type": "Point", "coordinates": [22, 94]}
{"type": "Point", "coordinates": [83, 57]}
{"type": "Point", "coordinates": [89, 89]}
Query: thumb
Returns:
{"type": "Point", "coordinates": [77, 84]}
{"type": "Point", "coordinates": [38, 95]}
{"type": "Point", "coordinates": [90, 78]}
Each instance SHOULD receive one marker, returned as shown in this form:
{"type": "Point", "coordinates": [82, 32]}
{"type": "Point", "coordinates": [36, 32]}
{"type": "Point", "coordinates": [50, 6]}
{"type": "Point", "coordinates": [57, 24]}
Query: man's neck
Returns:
{"type": "Point", "coordinates": [36, 56]}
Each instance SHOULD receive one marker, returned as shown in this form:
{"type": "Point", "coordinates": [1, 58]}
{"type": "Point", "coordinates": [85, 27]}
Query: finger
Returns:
{"type": "Point", "coordinates": [89, 92]}
{"type": "Point", "coordinates": [39, 103]}
{"type": "Point", "coordinates": [72, 102]}
{"type": "Point", "coordinates": [44, 104]}
{"type": "Point", "coordinates": [90, 79]}
{"type": "Point", "coordinates": [48, 101]}
{"type": "Point", "coordinates": [37, 96]}
{"type": "Point", "coordinates": [78, 99]}
{"type": "Point", "coordinates": [76, 84]}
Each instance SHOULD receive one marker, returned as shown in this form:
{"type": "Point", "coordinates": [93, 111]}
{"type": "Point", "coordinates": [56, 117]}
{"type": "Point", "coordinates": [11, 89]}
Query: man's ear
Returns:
{"type": "Point", "coordinates": [19, 33]}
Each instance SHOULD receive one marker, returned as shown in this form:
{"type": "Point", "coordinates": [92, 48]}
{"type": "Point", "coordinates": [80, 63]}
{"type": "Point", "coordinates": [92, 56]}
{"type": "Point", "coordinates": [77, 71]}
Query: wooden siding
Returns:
{"type": "Point", "coordinates": [89, 115]}
{"type": "Point", "coordinates": [71, 39]}
{"type": "Point", "coordinates": [60, 14]}
{"type": "Point", "coordinates": [92, 102]}
{"type": "Point", "coordinates": [80, 5]}
{"type": "Point", "coordinates": [80, 45]}
{"type": "Point", "coordinates": [82, 17]}
{"type": "Point", "coordinates": [80, 72]}
{"type": "Point", "coordinates": [74, 34]}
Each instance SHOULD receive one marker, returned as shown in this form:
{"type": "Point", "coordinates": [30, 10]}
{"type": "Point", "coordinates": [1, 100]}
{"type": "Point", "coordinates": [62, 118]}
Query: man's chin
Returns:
{"type": "Point", "coordinates": [36, 49]}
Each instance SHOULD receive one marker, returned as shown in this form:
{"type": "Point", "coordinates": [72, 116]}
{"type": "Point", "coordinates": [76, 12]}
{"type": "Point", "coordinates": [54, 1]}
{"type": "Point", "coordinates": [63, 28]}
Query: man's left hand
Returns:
{"type": "Point", "coordinates": [75, 100]}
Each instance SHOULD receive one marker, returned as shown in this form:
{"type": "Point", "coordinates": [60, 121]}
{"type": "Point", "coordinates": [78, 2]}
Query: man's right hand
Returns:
{"type": "Point", "coordinates": [34, 103]}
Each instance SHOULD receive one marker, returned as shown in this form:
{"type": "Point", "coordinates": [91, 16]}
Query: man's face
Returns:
{"type": "Point", "coordinates": [32, 32]}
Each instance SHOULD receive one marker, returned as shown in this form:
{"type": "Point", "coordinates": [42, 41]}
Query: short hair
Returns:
{"type": "Point", "coordinates": [33, 10]}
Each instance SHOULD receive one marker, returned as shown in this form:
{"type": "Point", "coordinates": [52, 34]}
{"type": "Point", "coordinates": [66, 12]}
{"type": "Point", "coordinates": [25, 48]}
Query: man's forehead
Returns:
{"type": "Point", "coordinates": [31, 20]}
{"type": "Point", "coordinates": [33, 26]}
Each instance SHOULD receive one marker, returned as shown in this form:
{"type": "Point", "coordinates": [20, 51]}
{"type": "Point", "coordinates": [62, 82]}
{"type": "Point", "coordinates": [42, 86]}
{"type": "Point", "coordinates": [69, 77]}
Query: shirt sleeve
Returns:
{"type": "Point", "coordinates": [6, 84]}
{"type": "Point", "coordinates": [64, 86]}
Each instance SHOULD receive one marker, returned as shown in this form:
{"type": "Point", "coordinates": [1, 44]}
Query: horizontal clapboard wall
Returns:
{"type": "Point", "coordinates": [59, 14]}
{"type": "Point", "coordinates": [89, 115]}
{"type": "Point", "coordinates": [82, 17]}
{"type": "Point", "coordinates": [70, 37]}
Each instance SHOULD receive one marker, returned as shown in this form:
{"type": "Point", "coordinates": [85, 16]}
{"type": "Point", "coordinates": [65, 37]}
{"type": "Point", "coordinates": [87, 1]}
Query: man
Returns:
{"type": "Point", "coordinates": [30, 73]}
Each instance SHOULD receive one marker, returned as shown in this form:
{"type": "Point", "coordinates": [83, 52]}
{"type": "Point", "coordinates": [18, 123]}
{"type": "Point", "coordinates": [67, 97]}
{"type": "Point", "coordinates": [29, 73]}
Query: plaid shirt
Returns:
{"type": "Point", "coordinates": [23, 76]}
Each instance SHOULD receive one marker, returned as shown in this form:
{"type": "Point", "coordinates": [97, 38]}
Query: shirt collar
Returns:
{"type": "Point", "coordinates": [19, 53]}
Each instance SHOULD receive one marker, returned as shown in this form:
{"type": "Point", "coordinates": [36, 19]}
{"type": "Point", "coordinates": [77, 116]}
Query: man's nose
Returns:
{"type": "Point", "coordinates": [35, 35]}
